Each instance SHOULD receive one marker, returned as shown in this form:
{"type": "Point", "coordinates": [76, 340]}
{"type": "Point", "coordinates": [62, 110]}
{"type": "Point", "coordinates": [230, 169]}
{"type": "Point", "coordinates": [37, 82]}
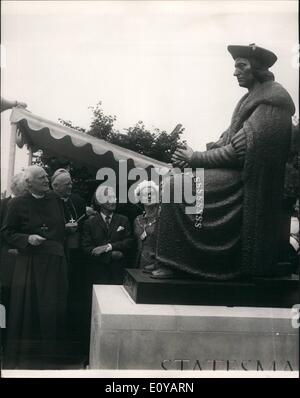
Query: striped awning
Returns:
{"type": "Point", "coordinates": [60, 141]}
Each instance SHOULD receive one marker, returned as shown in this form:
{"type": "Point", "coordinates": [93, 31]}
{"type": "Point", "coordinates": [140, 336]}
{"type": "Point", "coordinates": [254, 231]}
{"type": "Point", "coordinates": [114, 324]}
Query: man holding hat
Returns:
{"type": "Point", "coordinates": [239, 232]}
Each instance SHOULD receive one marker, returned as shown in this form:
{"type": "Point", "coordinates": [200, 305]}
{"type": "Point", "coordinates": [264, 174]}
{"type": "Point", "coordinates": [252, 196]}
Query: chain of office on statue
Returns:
{"type": "Point", "coordinates": [199, 200]}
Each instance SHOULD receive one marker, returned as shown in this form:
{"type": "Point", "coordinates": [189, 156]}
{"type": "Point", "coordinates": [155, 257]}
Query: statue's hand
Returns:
{"type": "Point", "coordinates": [180, 164]}
{"type": "Point", "coordinates": [183, 155]}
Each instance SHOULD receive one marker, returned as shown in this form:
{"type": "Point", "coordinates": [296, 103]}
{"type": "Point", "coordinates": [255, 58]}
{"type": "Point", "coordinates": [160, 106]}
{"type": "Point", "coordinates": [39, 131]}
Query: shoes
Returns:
{"type": "Point", "coordinates": [163, 273]}
{"type": "Point", "coordinates": [148, 269]}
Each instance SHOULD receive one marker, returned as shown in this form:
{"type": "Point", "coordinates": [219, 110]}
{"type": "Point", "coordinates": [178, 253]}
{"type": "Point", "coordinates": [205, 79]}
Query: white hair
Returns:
{"type": "Point", "coordinates": [58, 173]}
{"type": "Point", "coordinates": [30, 171]}
{"type": "Point", "coordinates": [102, 192]}
{"type": "Point", "coordinates": [145, 185]}
{"type": "Point", "coordinates": [17, 185]}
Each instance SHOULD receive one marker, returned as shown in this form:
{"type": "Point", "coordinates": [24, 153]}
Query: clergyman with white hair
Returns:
{"type": "Point", "coordinates": [35, 226]}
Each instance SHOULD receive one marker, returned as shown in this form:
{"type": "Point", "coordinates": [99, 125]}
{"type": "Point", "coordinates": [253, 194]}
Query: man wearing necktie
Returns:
{"type": "Point", "coordinates": [106, 239]}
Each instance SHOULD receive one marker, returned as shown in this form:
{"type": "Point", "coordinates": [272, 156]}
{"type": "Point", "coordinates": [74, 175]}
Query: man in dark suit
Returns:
{"type": "Point", "coordinates": [106, 240]}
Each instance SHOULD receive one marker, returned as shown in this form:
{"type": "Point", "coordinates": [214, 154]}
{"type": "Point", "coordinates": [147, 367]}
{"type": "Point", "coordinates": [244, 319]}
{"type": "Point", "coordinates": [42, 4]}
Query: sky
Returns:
{"type": "Point", "coordinates": [162, 62]}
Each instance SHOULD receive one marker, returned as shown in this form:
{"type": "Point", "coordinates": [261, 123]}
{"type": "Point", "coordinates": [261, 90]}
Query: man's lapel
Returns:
{"type": "Point", "coordinates": [102, 223]}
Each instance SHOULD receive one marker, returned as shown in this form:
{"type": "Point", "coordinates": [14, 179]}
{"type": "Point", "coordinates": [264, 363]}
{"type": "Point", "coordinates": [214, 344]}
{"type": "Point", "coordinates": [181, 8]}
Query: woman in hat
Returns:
{"type": "Point", "coordinates": [147, 193]}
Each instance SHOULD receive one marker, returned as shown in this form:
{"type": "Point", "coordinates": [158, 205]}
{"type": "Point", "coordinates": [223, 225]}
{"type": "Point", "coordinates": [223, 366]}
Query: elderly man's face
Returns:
{"type": "Point", "coordinates": [39, 183]}
{"type": "Point", "coordinates": [108, 200]}
{"type": "Point", "coordinates": [243, 72]}
{"type": "Point", "coordinates": [63, 185]}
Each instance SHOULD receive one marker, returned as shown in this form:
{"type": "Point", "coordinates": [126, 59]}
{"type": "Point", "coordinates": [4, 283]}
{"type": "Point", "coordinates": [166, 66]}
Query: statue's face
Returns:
{"type": "Point", "coordinates": [243, 72]}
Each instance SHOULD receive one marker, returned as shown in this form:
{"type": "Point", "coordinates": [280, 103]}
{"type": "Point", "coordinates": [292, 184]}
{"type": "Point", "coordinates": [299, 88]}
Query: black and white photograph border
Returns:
{"type": "Point", "coordinates": [150, 156]}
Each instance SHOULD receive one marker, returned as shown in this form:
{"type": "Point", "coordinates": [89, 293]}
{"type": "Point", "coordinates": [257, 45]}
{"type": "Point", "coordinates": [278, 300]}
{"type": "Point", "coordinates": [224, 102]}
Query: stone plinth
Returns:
{"type": "Point", "coordinates": [280, 292]}
{"type": "Point", "coordinates": [126, 335]}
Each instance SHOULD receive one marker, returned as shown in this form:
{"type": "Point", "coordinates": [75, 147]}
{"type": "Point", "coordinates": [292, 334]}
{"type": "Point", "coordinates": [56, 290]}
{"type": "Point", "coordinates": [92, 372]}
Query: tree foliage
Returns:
{"type": "Point", "coordinates": [68, 123]}
{"type": "Point", "coordinates": [156, 144]}
{"type": "Point", "coordinates": [102, 126]}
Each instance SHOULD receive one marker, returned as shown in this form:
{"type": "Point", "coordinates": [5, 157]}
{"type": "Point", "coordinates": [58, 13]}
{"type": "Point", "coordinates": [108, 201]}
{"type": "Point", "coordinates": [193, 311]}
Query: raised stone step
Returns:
{"type": "Point", "coordinates": [126, 335]}
{"type": "Point", "coordinates": [280, 292]}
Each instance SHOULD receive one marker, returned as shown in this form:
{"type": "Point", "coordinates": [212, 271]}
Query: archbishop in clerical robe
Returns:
{"type": "Point", "coordinates": [35, 226]}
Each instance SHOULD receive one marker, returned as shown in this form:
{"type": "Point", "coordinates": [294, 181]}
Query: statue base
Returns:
{"type": "Point", "coordinates": [126, 335]}
{"type": "Point", "coordinates": [280, 292]}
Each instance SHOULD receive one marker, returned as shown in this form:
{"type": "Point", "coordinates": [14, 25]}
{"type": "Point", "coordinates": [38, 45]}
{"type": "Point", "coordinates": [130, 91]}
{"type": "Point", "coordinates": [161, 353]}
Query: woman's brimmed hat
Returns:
{"type": "Point", "coordinates": [143, 185]}
{"type": "Point", "coordinates": [263, 57]}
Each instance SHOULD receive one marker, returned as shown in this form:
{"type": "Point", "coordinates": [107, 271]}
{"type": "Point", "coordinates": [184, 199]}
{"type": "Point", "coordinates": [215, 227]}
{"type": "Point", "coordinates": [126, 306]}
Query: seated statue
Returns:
{"type": "Point", "coordinates": [238, 231]}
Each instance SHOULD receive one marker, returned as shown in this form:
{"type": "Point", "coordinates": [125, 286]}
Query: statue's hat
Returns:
{"type": "Point", "coordinates": [265, 58]}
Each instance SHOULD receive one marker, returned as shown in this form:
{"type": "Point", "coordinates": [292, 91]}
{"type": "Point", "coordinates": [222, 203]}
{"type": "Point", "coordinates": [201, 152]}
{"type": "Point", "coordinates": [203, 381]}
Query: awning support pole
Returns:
{"type": "Point", "coordinates": [12, 156]}
{"type": "Point", "coordinates": [29, 156]}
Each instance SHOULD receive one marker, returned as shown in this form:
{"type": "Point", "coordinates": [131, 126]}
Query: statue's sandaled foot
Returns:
{"type": "Point", "coordinates": [148, 269]}
{"type": "Point", "coordinates": [163, 273]}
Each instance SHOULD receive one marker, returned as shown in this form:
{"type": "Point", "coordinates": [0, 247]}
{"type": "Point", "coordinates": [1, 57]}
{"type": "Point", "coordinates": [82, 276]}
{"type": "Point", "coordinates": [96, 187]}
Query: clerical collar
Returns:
{"type": "Point", "coordinates": [37, 196]}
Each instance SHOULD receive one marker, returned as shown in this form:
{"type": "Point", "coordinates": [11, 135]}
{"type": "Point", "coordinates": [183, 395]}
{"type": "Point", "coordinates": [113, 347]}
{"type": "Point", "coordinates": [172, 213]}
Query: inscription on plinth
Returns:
{"type": "Point", "coordinates": [126, 335]}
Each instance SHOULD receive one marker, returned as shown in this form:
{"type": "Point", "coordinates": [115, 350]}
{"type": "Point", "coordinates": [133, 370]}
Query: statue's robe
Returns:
{"type": "Point", "coordinates": [36, 319]}
{"type": "Point", "coordinates": [243, 188]}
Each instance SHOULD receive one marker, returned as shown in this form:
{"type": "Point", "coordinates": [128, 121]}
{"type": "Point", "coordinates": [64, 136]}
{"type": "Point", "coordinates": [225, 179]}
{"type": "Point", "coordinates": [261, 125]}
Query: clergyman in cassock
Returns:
{"type": "Point", "coordinates": [74, 214]}
{"type": "Point", "coordinates": [35, 226]}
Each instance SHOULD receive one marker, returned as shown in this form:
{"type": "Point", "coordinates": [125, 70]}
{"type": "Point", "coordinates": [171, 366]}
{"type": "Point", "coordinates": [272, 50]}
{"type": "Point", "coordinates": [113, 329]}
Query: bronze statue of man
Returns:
{"type": "Point", "coordinates": [243, 184]}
